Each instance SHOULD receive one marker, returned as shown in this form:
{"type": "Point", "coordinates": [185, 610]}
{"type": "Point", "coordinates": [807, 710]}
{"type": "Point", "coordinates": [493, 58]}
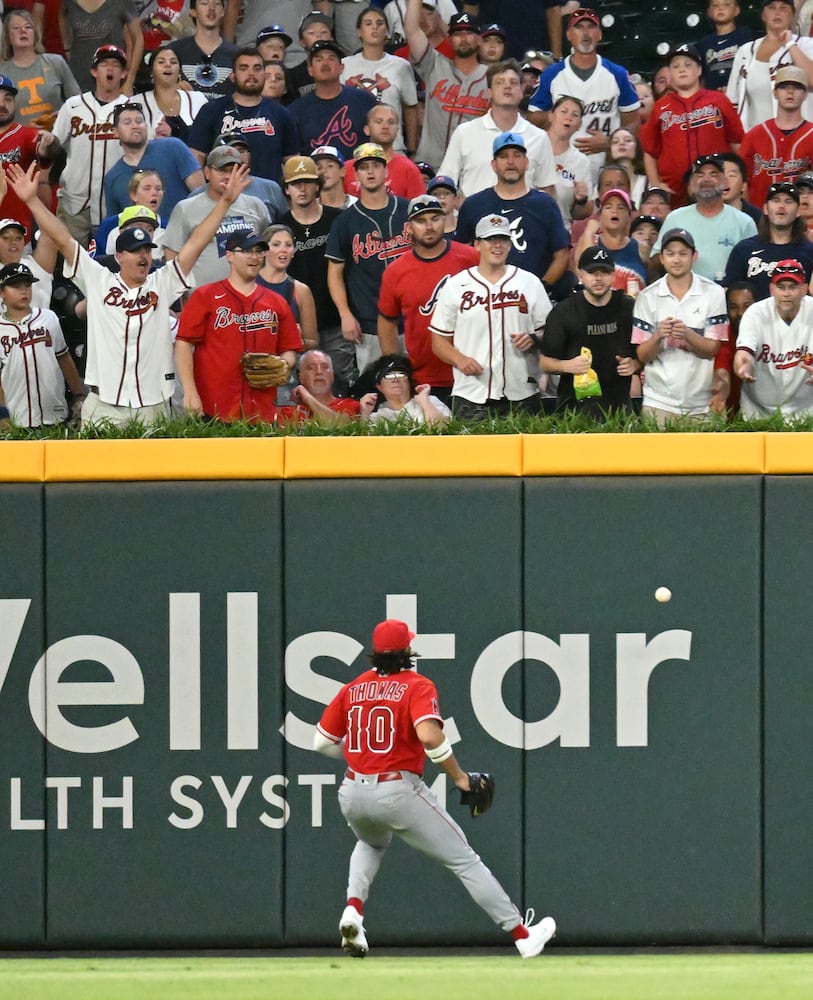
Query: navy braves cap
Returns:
{"type": "Point", "coordinates": [16, 274]}
{"type": "Point", "coordinates": [462, 22]}
{"type": "Point", "coordinates": [274, 31]}
{"type": "Point", "coordinates": [327, 153]}
{"type": "Point", "coordinates": [441, 181]}
{"type": "Point", "coordinates": [783, 187]}
{"type": "Point", "coordinates": [133, 239]}
{"type": "Point", "coordinates": [8, 84]}
{"type": "Point", "coordinates": [245, 239]}
{"type": "Point", "coordinates": [685, 50]}
{"type": "Point", "coordinates": [493, 29]}
{"type": "Point", "coordinates": [325, 45]}
{"type": "Point", "coordinates": [596, 259]}
{"type": "Point", "coordinates": [508, 140]}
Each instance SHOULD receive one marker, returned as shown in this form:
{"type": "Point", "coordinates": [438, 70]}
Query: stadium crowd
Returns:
{"type": "Point", "coordinates": [286, 210]}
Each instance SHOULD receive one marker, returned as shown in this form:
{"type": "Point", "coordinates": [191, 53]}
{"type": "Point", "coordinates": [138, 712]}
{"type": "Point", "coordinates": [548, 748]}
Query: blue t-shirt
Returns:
{"type": "Point", "coordinates": [537, 229]}
{"type": "Point", "coordinates": [754, 260]}
{"type": "Point", "coordinates": [267, 127]}
{"type": "Point", "coordinates": [336, 121]}
{"type": "Point", "coordinates": [717, 53]}
{"type": "Point", "coordinates": [173, 161]}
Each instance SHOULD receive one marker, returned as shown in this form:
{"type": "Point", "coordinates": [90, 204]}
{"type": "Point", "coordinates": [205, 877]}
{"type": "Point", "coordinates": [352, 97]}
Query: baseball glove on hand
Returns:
{"type": "Point", "coordinates": [264, 370]}
{"type": "Point", "coordinates": [480, 796]}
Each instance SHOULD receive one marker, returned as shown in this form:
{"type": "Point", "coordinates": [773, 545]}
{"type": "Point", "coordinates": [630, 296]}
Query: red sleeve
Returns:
{"type": "Point", "coordinates": [725, 355]}
{"type": "Point", "coordinates": [415, 184]}
{"type": "Point", "coordinates": [747, 150]}
{"type": "Point", "coordinates": [649, 135]}
{"type": "Point", "coordinates": [423, 702]}
{"type": "Point", "coordinates": [194, 320]}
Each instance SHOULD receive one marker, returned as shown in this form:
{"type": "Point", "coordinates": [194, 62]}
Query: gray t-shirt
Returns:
{"type": "Point", "coordinates": [89, 30]}
{"type": "Point", "coordinates": [44, 86]}
{"type": "Point", "coordinates": [245, 213]}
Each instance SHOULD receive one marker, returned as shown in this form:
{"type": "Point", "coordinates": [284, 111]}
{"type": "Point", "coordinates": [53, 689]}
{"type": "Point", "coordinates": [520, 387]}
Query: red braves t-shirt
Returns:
{"type": "Point", "coordinates": [410, 288]}
{"type": "Point", "coordinates": [18, 144]}
{"type": "Point", "coordinates": [223, 324]}
{"type": "Point", "coordinates": [377, 717]}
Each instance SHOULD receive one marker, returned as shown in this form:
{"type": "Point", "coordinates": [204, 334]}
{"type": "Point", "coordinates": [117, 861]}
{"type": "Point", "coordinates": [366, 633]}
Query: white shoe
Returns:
{"type": "Point", "coordinates": [354, 940]}
{"type": "Point", "coordinates": [538, 936]}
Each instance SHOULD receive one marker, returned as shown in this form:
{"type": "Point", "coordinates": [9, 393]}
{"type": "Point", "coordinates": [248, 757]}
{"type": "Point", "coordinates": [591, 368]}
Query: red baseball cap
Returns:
{"type": "Point", "coordinates": [788, 270]}
{"type": "Point", "coordinates": [583, 14]}
{"type": "Point", "coordinates": [391, 636]}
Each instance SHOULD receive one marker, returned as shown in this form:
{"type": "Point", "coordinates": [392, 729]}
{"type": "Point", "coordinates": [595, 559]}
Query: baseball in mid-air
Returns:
{"type": "Point", "coordinates": [663, 594]}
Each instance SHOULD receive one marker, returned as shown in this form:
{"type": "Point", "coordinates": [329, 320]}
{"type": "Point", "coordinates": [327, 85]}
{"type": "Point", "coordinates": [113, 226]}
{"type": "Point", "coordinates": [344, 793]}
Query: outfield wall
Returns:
{"type": "Point", "coordinates": [174, 615]}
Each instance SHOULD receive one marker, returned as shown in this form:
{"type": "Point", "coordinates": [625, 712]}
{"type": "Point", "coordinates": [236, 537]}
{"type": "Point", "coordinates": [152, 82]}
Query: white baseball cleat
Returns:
{"type": "Point", "coordinates": [538, 936]}
{"type": "Point", "coordinates": [354, 940]}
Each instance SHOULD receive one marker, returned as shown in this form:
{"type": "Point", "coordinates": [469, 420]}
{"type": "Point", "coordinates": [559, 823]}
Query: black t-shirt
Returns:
{"type": "Point", "coordinates": [309, 263]}
{"type": "Point", "coordinates": [607, 331]}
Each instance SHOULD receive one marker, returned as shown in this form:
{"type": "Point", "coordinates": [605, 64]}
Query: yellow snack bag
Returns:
{"type": "Point", "coordinates": [587, 384]}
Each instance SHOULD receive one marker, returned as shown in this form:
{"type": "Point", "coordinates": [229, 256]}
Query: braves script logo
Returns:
{"type": "Point", "coordinates": [776, 166]}
{"type": "Point", "coordinates": [253, 322]}
{"type": "Point", "coordinates": [453, 102]}
{"type": "Point", "coordinates": [261, 124]}
{"type": "Point", "coordinates": [429, 306]}
{"type": "Point", "coordinates": [782, 360]}
{"type": "Point", "coordinates": [133, 305]}
{"type": "Point", "coordinates": [95, 130]}
{"type": "Point", "coordinates": [372, 245]}
{"type": "Point", "coordinates": [707, 115]}
{"type": "Point", "coordinates": [27, 338]}
{"type": "Point", "coordinates": [499, 300]}
{"type": "Point", "coordinates": [339, 127]}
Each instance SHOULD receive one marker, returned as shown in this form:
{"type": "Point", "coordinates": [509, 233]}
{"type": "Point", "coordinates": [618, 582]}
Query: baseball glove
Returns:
{"type": "Point", "coordinates": [264, 370]}
{"type": "Point", "coordinates": [480, 796]}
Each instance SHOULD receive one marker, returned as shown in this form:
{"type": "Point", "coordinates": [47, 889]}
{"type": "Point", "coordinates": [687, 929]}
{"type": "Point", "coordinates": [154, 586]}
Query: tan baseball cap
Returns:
{"type": "Point", "coordinates": [299, 168]}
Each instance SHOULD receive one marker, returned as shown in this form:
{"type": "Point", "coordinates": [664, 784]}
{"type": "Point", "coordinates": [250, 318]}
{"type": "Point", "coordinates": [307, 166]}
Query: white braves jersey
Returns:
{"type": "Point", "coordinates": [129, 346]}
{"type": "Point", "coordinates": [677, 380]}
{"type": "Point", "coordinates": [779, 348]}
{"type": "Point", "coordinates": [30, 375]}
{"type": "Point", "coordinates": [481, 317]}
{"type": "Point", "coordinates": [85, 129]}
{"type": "Point", "coordinates": [468, 155]}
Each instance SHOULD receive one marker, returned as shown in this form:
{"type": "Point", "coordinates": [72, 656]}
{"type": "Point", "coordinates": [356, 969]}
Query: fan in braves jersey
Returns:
{"type": "Point", "coordinates": [84, 127]}
{"type": "Point", "coordinates": [225, 320]}
{"type": "Point", "coordinates": [688, 122]}
{"type": "Point", "coordinates": [609, 99]}
{"type": "Point", "coordinates": [23, 145]}
{"type": "Point", "coordinates": [383, 791]}
{"type": "Point", "coordinates": [364, 241]}
{"type": "Point", "coordinates": [456, 89]}
{"type": "Point", "coordinates": [35, 362]}
{"type": "Point", "coordinates": [781, 232]}
{"type": "Point", "coordinates": [130, 370]}
{"type": "Point", "coordinates": [781, 148]}
{"type": "Point", "coordinates": [773, 356]}
{"type": "Point", "coordinates": [486, 321]}
{"type": "Point", "coordinates": [410, 288]}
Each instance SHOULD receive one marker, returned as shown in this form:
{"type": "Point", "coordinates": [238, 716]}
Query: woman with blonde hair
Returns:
{"type": "Point", "coordinates": [43, 79]}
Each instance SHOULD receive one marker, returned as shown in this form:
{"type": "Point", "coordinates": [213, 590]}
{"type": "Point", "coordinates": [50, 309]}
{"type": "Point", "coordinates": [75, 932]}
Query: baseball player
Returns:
{"type": "Point", "coordinates": [486, 321]}
{"type": "Point", "coordinates": [35, 362]}
{"type": "Point", "coordinates": [384, 724]}
{"type": "Point", "coordinates": [130, 370]}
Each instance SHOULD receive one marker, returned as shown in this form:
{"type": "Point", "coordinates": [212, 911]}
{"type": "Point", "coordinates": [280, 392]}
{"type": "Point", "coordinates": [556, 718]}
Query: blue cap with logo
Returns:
{"type": "Point", "coordinates": [508, 140]}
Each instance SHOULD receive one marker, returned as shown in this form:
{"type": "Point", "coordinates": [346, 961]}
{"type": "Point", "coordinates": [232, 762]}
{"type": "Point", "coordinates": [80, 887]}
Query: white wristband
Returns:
{"type": "Point", "coordinates": [440, 753]}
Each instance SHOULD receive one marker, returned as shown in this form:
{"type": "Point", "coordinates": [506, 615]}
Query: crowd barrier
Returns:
{"type": "Point", "coordinates": [175, 614]}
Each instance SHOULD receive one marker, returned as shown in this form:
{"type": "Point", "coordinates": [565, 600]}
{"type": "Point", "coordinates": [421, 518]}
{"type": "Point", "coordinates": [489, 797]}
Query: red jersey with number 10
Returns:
{"type": "Point", "coordinates": [377, 716]}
